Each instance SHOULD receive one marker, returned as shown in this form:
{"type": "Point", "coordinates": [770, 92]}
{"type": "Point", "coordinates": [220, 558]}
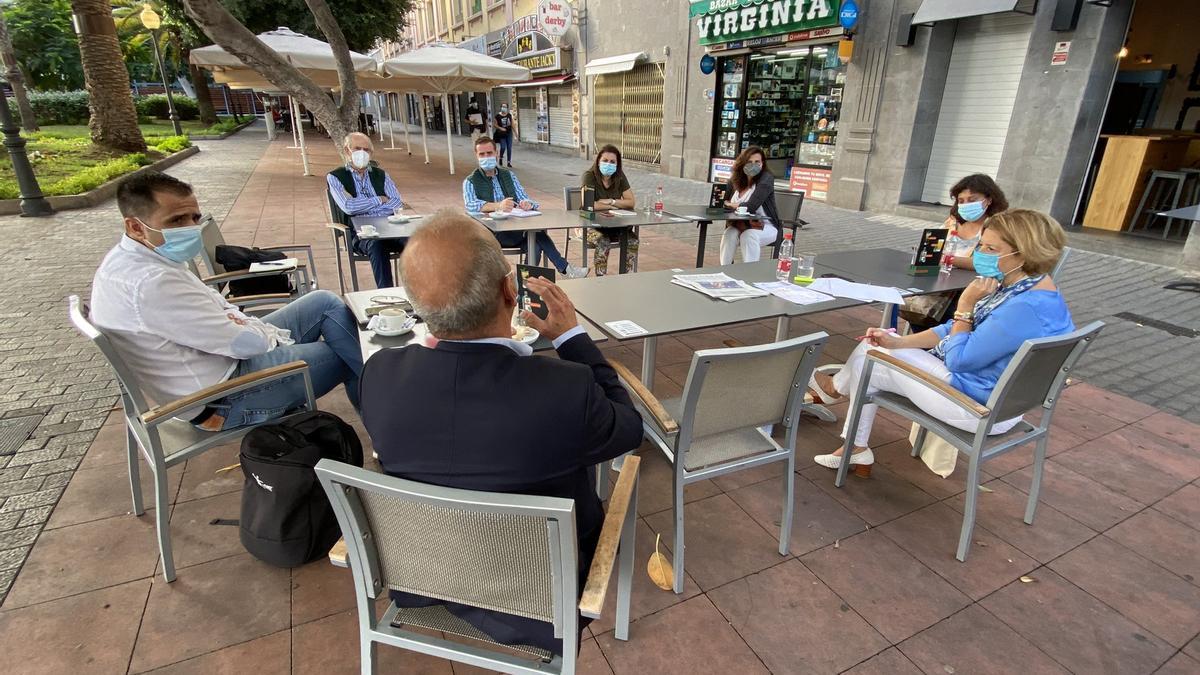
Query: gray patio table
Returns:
{"type": "Point", "coordinates": [637, 218]}
{"type": "Point", "coordinates": [704, 215]}
{"type": "Point", "coordinates": [650, 300]}
{"type": "Point", "coordinates": [889, 267]}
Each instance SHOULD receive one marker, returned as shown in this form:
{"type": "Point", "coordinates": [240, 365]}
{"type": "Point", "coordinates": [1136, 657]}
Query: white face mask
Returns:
{"type": "Point", "coordinates": [359, 159]}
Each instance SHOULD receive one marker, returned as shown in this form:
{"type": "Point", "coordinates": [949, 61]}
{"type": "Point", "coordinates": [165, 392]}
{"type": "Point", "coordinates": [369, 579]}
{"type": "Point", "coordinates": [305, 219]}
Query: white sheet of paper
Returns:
{"type": "Point", "coordinates": [793, 293]}
{"type": "Point", "coordinates": [622, 212]}
{"type": "Point", "coordinates": [626, 328]}
{"type": "Point", "coordinates": [522, 213]}
{"type": "Point", "coordinates": [848, 289]}
{"type": "Point", "coordinates": [274, 266]}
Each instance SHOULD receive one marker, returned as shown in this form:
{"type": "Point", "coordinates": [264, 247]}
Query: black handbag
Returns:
{"type": "Point", "coordinates": [239, 259]}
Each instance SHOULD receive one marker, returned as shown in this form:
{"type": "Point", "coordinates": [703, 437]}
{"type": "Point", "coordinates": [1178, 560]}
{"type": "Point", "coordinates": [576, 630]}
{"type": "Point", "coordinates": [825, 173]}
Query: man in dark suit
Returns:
{"type": "Point", "coordinates": [478, 411]}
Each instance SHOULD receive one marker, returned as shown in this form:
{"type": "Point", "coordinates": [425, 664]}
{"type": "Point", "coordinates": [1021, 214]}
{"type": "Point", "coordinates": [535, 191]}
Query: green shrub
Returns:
{"type": "Point", "coordinates": [56, 107]}
{"type": "Point", "coordinates": [226, 125]}
{"type": "Point", "coordinates": [172, 144]}
{"type": "Point", "coordinates": [155, 105]}
{"type": "Point", "coordinates": [93, 177]}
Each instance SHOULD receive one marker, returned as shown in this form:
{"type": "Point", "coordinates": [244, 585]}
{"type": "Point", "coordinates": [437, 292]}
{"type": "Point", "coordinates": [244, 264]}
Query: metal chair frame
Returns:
{"type": "Point", "coordinates": [144, 424]}
{"type": "Point", "coordinates": [1017, 392]}
{"type": "Point", "coordinates": [344, 483]}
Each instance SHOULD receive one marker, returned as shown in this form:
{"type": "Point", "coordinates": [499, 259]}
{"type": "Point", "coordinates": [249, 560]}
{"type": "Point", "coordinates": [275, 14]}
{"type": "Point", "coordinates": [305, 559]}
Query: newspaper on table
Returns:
{"type": "Point", "coordinates": [720, 286]}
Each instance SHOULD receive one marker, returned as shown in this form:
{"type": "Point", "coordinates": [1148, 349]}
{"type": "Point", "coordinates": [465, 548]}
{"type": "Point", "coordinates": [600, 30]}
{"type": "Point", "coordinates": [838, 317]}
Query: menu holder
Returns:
{"type": "Point", "coordinates": [588, 197]}
{"type": "Point", "coordinates": [927, 257]}
{"type": "Point", "coordinates": [718, 196]}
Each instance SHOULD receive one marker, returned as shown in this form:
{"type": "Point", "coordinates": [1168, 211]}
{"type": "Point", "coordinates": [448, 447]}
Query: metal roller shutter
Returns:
{"type": "Point", "coordinates": [527, 118]}
{"type": "Point", "coordinates": [981, 89]}
{"type": "Point", "coordinates": [562, 127]}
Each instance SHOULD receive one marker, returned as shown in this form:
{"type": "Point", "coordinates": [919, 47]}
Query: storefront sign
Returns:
{"type": "Point", "coordinates": [540, 62]}
{"type": "Point", "coordinates": [720, 170]}
{"type": "Point", "coordinates": [848, 16]}
{"type": "Point", "coordinates": [477, 45]}
{"type": "Point", "coordinates": [813, 182]}
{"type": "Point", "coordinates": [554, 16]}
{"type": "Point", "coordinates": [799, 37]}
{"type": "Point", "coordinates": [524, 44]}
{"type": "Point", "coordinates": [1061, 51]}
{"type": "Point", "coordinates": [725, 20]}
{"type": "Point", "coordinates": [707, 64]}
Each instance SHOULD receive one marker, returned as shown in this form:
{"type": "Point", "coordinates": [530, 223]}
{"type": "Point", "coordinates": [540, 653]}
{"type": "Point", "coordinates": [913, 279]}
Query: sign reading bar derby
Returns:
{"type": "Point", "coordinates": [554, 17]}
{"type": "Point", "coordinates": [724, 20]}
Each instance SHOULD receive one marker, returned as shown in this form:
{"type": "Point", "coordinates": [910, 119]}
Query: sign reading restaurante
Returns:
{"type": "Point", "coordinates": [725, 20]}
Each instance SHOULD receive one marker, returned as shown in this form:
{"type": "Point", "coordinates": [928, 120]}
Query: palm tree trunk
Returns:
{"type": "Point", "coordinates": [16, 79]}
{"type": "Point", "coordinates": [208, 113]}
{"type": "Point", "coordinates": [113, 116]}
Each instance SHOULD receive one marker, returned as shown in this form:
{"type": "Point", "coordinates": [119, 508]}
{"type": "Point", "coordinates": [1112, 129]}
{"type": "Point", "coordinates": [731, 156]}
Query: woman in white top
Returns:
{"type": "Point", "coordinates": [753, 187]}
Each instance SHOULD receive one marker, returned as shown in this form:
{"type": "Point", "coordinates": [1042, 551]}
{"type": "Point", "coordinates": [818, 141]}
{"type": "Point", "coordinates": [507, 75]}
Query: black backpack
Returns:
{"type": "Point", "coordinates": [286, 517]}
{"type": "Point", "coordinates": [239, 259]}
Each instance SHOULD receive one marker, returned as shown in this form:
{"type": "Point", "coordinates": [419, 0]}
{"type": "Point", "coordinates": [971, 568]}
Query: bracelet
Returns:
{"type": "Point", "coordinates": [968, 317]}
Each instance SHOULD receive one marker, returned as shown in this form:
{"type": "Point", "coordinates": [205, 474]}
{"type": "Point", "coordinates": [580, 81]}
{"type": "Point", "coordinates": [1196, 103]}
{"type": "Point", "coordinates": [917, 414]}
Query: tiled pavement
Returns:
{"type": "Point", "coordinates": [870, 586]}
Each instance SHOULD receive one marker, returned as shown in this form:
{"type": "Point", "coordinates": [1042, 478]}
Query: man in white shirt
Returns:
{"type": "Point", "coordinates": [178, 335]}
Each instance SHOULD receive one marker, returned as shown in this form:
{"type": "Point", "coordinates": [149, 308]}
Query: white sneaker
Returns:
{"type": "Point", "coordinates": [574, 272]}
{"type": "Point", "coordinates": [860, 462]}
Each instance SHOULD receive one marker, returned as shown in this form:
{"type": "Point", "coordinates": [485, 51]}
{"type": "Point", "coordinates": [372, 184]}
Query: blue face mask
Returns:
{"type": "Point", "coordinates": [971, 211]}
{"type": "Point", "coordinates": [988, 264]}
{"type": "Point", "coordinates": [608, 169]}
{"type": "Point", "coordinates": [180, 244]}
{"type": "Point", "coordinates": [487, 163]}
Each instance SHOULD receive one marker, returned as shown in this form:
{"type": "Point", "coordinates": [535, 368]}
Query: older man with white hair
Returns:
{"type": "Point", "coordinates": [363, 188]}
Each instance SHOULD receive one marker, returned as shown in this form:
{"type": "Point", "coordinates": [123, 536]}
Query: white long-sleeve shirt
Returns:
{"type": "Point", "coordinates": [173, 332]}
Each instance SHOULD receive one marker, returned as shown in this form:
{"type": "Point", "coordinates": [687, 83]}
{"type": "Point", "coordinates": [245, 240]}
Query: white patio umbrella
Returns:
{"type": "Point", "coordinates": [310, 56]}
{"type": "Point", "coordinates": [449, 70]}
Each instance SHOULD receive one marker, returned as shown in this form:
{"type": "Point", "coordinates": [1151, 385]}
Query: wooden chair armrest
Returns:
{"type": "Point", "coordinates": [337, 226]}
{"type": "Point", "coordinates": [338, 555]}
{"type": "Point", "coordinates": [591, 603]}
{"type": "Point", "coordinates": [962, 400]}
{"type": "Point", "coordinates": [661, 417]}
{"type": "Point", "coordinates": [219, 390]}
{"type": "Point", "coordinates": [246, 274]}
{"type": "Point", "coordinates": [261, 297]}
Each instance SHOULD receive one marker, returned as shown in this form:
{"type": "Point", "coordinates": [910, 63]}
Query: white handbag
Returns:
{"type": "Point", "coordinates": [937, 454]}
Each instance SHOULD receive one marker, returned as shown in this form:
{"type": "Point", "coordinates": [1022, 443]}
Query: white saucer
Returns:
{"type": "Point", "coordinates": [368, 234]}
{"type": "Point", "coordinates": [404, 331]}
{"type": "Point", "coordinates": [500, 215]}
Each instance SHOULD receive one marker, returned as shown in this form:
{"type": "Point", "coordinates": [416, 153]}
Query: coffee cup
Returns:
{"type": "Point", "coordinates": [391, 320]}
{"type": "Point", "coordinates": [743, 211]}
{"type": "Point", "coordinates": [368, 231]}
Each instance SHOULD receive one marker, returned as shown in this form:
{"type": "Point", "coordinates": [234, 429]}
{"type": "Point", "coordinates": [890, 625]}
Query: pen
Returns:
{"type": "Point", "coordinates": [867, 337]}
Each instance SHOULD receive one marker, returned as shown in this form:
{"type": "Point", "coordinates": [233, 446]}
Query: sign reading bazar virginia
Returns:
{"type": "Point", "coordinates": [724, 20]}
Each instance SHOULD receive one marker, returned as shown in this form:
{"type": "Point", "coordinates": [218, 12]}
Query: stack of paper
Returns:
{"type": "Point", "coordinates": [793, 293]}
{"type": "Point", "coordinates": [864, 292]}
{"type": "Point", "coordinates": [519, 212]}
{"type": "Point", "coordinates": [721, 286]}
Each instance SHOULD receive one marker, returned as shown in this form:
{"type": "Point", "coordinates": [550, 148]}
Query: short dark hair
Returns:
{"type": "Point", "coordinates": [135, 195]}
{"type": "Point", "coordinates": [485, 140]}
{"type": "Point", "coordinates": [980, 184]}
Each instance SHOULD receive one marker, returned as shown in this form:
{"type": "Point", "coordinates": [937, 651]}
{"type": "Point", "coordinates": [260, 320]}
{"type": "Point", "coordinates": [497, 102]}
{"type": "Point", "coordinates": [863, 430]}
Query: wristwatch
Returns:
{"type": "Point", "coordinates": [612, 202]}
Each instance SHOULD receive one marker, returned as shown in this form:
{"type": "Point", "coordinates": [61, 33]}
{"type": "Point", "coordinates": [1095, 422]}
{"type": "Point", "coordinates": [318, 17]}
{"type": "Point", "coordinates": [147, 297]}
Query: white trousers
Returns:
{"type": "Point", "coordinates": [886, 379]}
{"type": "Point", "coordinates": [750, 241]}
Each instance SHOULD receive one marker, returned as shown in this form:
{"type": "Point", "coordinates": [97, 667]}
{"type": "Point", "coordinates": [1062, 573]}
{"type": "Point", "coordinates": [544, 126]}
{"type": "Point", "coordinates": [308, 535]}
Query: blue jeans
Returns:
{"type": "Point", "coordinates": [380, 252]}
{"type": "Point", "coordinates": [504, 145]}
{"type": "Point", "coordinates": [334, 360]}
{"type": "Point", "coordinates": [542, 244]}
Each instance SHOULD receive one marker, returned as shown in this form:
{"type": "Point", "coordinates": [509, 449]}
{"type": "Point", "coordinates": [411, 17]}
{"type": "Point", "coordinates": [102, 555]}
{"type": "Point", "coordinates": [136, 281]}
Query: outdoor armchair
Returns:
{"type": "Point", "coordinates": [163, 439]}
{"type": "Point", "coordinates": [1033, 379]}
{"type": "Point", "coordinates": [511, 553]}
{"type": "Point", "coordinates": [714, 427]}
{"type": "Point", "coordinates": [303, 277]}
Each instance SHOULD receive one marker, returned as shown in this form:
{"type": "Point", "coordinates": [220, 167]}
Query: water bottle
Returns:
{"type": "Point", "coordinates": [949, 250]}
{"type": "Point", "coordinates": [658, 201]}
{"type": "Point", "coordinates": [783, 271]}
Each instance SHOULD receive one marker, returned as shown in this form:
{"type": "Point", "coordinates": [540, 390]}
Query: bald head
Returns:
{"type": "Point", "coordinates": [455, 278]}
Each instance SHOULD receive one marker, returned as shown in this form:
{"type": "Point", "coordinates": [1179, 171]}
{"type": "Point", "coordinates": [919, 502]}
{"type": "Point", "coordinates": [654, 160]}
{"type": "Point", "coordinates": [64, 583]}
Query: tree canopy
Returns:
{"type": "Point", "coordinates": [44, 43]}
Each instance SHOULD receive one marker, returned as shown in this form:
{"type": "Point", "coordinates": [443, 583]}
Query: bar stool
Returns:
{"type": "Point", "coordinates": [1163, 192]}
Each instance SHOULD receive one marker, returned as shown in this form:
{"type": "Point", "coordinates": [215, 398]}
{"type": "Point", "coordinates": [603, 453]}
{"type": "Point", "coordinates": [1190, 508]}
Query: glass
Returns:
{"type": "Point", "coordinates": [803, 267]}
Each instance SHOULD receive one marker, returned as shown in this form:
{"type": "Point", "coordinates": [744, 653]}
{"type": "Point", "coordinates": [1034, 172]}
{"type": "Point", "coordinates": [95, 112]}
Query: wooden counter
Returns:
{"type": "Point", "coordinates": [1127, 163]}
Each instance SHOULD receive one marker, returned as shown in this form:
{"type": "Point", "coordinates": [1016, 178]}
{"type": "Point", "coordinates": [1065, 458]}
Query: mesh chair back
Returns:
{"type": "Point", "coordinates": [788, 205]}
{"type": "Point", "coordinates": [572, 198]}
{"type": "Point", "coordinates": [1062, 262]}
{"type": "Point", "coordinates": [741, 387]}
{"type": "Point", "coordinates": [212, 237]}
{"type": "Point", "coordinates": [1038, 372]}
{"type": "Point", "coordinates": [131, 389]}
{"type": "Point", "coordinates": [510, 553]}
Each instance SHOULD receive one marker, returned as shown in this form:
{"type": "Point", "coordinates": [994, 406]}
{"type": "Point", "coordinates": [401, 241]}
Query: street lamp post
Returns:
{"type": "Point", "coordinates": [151, 21]}
{"type": "Point", "coordinates": [33, 203]}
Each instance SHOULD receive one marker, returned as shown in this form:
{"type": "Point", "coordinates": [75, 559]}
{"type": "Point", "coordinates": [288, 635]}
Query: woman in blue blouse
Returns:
{"type": "Point", "coordinates": [1012, 300]}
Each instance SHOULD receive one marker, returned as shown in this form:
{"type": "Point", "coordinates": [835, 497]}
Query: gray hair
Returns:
{"type": "Point", "coordinates": [475, 302]}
